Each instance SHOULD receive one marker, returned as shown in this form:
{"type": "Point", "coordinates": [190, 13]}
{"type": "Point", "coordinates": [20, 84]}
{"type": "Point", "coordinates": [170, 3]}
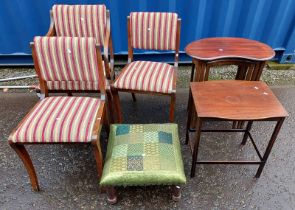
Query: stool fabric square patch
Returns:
{"type": "Point", "coordinates": [143, 154]}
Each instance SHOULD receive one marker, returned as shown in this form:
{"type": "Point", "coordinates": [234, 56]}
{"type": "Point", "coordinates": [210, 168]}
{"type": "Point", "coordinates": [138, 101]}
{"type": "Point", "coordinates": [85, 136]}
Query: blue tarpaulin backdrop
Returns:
{"type": "Point", "coordinates": [269, 21]}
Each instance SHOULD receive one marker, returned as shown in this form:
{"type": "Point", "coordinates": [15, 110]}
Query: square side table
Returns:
{"type": "Point", "coordinates": [233, 100]}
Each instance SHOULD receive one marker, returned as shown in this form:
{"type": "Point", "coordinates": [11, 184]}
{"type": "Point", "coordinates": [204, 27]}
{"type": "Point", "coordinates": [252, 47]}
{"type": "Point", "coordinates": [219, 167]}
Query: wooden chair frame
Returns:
{"type": "Point", "coordinates": [20, 149]}
{"type": "Point", "coordinates": [130, 59]}
{"type": "Point", "coordinates": [108, 52]}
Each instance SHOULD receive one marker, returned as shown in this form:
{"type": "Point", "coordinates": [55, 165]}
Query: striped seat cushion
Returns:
{"type": "Point", "coordinates": [146, 76]}
{"type": "Point", "coordinates": [59, 119]}
{"type": "Point", "coordinates": [80, 21]}
{"type": "Point", "coordinates": [68, 63]}
{"type": "Point", "coordinates": [153, 30]}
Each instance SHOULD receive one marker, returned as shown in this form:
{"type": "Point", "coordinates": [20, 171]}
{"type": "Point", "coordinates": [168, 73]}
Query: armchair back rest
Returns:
{"type": "Point", "coordinates": [81, 21]}
{"type": "Point", "coordinates": [69, 63]}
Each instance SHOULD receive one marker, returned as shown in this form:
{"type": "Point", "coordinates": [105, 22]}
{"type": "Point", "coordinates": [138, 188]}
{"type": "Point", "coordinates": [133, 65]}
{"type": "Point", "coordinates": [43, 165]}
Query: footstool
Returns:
{"type": "Point", "coordinates": [141, 155]}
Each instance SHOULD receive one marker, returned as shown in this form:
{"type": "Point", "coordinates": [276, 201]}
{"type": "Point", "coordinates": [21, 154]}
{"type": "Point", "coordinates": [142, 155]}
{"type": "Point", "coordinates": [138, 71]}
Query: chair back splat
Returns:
{"type": "Point", "coordinates": [153, 31]}
{"type": "Point", "coordinates": [68, 63]}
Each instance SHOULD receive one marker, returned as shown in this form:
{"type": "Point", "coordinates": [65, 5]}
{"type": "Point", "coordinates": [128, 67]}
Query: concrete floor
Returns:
{"type": "Point", "coordinates": [68, 179]}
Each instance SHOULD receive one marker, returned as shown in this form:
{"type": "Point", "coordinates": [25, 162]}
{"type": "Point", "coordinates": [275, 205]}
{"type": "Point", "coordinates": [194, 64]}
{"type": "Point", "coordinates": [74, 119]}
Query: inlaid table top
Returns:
{"type": "Point", "coordinates": [236, 100]}
{"type": "Point", "coordinates": [229, 47]}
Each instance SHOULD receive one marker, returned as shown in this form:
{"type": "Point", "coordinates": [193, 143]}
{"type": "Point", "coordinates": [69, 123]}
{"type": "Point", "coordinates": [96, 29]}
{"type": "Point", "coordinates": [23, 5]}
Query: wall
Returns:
{"type": "Point", "coordinates": [269, 21]}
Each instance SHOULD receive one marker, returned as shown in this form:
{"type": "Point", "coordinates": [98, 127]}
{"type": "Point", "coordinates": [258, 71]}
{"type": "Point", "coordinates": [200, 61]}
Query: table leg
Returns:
{"type": "Point", "coordinates": [193, 71]}
{"type": "Point", "coordinates": [196, 146]}
{"type": "Point", "coordinates": [189, 116]}
{"type": "Point", "coordinates": [246, 134]}
{"type": "Point", "coordinates": [269, 146]}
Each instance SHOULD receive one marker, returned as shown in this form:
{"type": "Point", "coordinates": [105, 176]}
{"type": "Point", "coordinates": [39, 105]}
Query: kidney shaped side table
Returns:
{"type": "Point", "coordinates": [249, 55]}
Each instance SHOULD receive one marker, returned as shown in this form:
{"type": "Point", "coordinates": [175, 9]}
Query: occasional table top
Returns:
{"type": "Point", "coordinates": [228, 47]}
{"type": "Point", "coordinates": [236, 100]}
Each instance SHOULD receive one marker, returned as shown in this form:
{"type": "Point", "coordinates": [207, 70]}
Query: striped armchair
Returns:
{"type": "Point", "coordinates": [84, 21]}
{"type": "Point", "coordinates": [64, 120]}
{"type": "Point", "coordinates": [150, 31]}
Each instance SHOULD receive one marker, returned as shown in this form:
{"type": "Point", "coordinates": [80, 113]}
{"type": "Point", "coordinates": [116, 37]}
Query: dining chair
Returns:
{"type": "Point", "coordinates": [83, 21]}
{"type": "Point", "coordinates": [149, 31]}
{"type": "Point", "coordinates": [71, 63]}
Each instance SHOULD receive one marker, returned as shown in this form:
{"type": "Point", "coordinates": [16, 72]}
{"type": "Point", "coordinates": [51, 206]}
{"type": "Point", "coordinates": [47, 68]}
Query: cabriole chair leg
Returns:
{"type": "Point", "coordinates": [25, 157]}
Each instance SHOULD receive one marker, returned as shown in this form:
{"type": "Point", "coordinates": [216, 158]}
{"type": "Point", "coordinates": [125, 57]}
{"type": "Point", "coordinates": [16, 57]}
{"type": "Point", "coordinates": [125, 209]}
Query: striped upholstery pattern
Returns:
{"type": "Point", "coordinates": [59, 119]}
{"type": "Point", "coordinates": [146, 76]}
{"type": "Point", "coordinates": [68, 63]}
{"type": "Point", "coordinates": [80, 21]}
{"type": "Point", "coordinates": [153, 30]}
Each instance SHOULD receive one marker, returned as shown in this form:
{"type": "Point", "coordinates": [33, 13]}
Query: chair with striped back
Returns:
{"type": "Point", "coordinates": [150, 31]}
{"type": "Point", "coordinates": [63, 119]}
{"type": "Point", "coordinates": [84, 21]}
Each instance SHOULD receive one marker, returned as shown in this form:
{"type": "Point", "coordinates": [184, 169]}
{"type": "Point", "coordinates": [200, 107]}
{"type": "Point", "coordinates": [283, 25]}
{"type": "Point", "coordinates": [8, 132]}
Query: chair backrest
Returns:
{"type": "Point", "coordinates": [81, 21]}
{"type": "Point", "coordinates": [153, 30]}
{"type": "Point", "coordinates": [68, 63]}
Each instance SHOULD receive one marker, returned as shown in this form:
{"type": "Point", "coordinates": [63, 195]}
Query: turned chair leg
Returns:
{"type": "Point", "coordinates": [172, 108]}
{"type": "Point", "coordinates": [176, 193]}
{"type": "Point", "coordinates": [25, 157]}
{"type": "Point", "coordinates": [133, 97]}
{"type": "Point", "coordinates": [111, 195]}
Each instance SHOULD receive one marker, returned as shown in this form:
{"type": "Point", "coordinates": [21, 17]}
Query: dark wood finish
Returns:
{"type": "Point", "coordinates": [130, 59]}
{"type": "Point", "coordinates": [101, 117]}
{"type": "Point", "coordinates": [25, 157]}
{"type": "Point", "coordinates": [233, 100]}
{"type": "Point", "coordinates": [248, 55]}
{"type": "Point", "coordinates": [229, 47]}
{"type": "Point", "coordinates": [111, 195]}
{"type": "Point", "coordinates": [176, 193]}
{"type": "Point", "coordinates": [236, 100]}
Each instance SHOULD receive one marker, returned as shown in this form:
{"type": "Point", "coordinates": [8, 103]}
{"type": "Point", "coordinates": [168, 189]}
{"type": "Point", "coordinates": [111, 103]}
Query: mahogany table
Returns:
{"type": "Point", "coordinates": [248, 55]}
{"type": "Point", "coordinates": [228, 100]}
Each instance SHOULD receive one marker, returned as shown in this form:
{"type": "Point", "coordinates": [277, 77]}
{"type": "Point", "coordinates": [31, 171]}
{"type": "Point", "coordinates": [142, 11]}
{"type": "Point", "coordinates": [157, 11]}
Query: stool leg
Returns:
{"type": "Point", "coordinates": [176, 193]}
{"type": "Point", "coordinates": [196, 146]}
{"type": "Point", "coordinates": [111, 195]}
{"type": "Point", "coordinates": [246, 134]}
{"type": "Point", "coordinates": [269, 146]}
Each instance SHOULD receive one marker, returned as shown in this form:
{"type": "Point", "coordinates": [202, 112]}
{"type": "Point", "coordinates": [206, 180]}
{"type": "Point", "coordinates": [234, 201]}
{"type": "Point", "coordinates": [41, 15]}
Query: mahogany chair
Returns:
{"type": "Point", "coordinates": [150, 31]}
{"type": "Point", "coordinates": [69, 63]}
{"type": "Point", "coordinates": [84, 21]}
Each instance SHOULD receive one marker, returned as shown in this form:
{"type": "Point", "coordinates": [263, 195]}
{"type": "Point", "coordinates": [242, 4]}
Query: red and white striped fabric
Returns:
{"type": "Point", "coordinates": [68, 63]}
{"type": "Point", "coordinates": [153, 30]}
{"type": "Point", "coordinates": [59, 119]}
{"type": "Point", "coordinates": [80, 21]}
{"type": "Point", "coordinates": [146, 76]}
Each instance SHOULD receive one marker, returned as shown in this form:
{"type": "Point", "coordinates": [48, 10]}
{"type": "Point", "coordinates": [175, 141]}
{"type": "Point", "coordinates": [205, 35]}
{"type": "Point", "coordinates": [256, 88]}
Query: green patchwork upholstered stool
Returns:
{"type": "Point", "coordinates": [143, 154]}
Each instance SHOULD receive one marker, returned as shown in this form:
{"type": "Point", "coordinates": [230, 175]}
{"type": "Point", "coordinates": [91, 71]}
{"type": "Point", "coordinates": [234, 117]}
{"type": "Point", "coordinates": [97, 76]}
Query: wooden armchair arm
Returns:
{"type": "Point", "coordinates": [51, 30]}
